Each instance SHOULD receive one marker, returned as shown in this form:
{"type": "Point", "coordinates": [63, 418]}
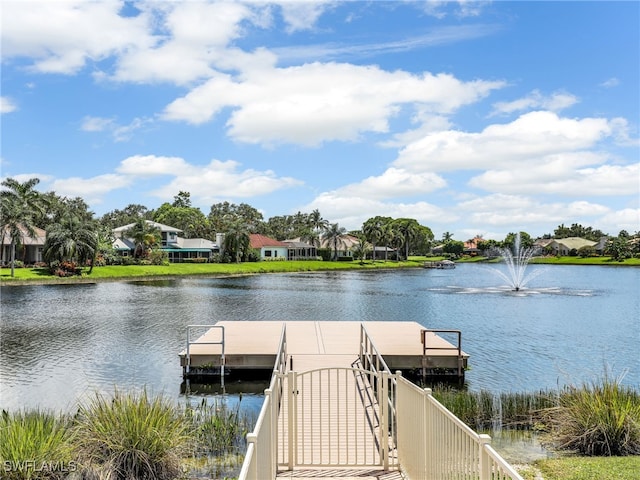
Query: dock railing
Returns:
{"type": "Point", "coordinates": [219, 342]}
{"type": "Point", "coordinates": [423, 338]}
{"type": "Point", "coordinates": [261, 459]}
{"type": "Point", "coordinates": [435, 444]}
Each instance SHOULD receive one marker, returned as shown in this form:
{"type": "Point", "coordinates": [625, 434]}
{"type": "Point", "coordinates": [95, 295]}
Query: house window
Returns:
{"type": "Point", "coordinates": [267, 253]}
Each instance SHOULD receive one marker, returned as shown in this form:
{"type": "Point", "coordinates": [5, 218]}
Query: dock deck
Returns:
{"type": "Point", "coordinates": [251, 346]}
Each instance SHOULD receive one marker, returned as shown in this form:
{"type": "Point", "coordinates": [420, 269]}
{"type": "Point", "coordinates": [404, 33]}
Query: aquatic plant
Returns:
{"type": "Point", "coordinates": [34, 445]}
{"type": "Point", "coordinates": [484, 410]}
{"type": "Point", "coordinates": [218, 429]}
{"type": "Point", "coordinates": [601, 418]}
{"type": "Point", "coordinates": [131, 436]}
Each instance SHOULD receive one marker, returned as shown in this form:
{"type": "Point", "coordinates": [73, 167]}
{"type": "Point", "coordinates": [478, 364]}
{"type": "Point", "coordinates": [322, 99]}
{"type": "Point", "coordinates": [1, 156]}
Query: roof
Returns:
{"type": "Point", "coordinates": [159, 226]}
{"type": "Point", "coordinates": [297, 243]}
{"type": "Point", "coordinates": [347, 241]}
{"type": "Point", "coordinates": [198, 243]}
{"type": "Point", "coordinates": [39, 239]}
{"type": "Point", "coordinates": [259, 241]}
{"type": "Point", "coordinates": [575, 242]}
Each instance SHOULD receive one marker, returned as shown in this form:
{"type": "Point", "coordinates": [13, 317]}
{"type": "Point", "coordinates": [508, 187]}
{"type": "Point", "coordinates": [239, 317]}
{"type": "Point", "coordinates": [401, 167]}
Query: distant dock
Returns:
{"type": "Point", "coordinates": [441, 264]}
{"type": "Point", "coordinates": [248, 348]}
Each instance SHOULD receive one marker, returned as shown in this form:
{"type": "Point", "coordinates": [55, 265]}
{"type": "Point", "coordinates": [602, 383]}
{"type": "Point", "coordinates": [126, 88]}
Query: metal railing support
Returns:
{"type": "Point", "coordinates": [221, 343]}
{"type": "Point", "coordinates": [485, 463]}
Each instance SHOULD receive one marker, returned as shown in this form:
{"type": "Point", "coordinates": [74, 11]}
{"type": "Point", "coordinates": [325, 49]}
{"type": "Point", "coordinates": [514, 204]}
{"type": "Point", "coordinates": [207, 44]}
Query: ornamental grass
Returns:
{"type": "Point", "coordinates": [35, 444]}
{"type": "Point", "coordinates": [601, 418]}
{"type": "Point", "coordinates": [131, 436]}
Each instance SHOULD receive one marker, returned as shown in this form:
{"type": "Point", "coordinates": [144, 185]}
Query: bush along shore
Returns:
{"type": "Point", "coordinates": [594, 429]}
{"type": "Point", "coordinates": [125, 436]}
{"type": "Point", "coordinates": [601, 418]}
{"type": "Point", "coordinates": [134, 435]}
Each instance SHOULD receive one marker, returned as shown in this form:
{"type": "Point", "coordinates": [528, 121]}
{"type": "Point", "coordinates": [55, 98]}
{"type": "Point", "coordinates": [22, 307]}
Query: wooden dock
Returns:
{"type": "Point", "coordinates": [252, 346]}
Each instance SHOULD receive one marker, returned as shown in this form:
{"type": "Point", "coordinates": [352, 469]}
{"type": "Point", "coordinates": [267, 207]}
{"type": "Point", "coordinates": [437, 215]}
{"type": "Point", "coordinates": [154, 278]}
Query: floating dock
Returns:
{"type": "Point", "coordinates": [249, 348]}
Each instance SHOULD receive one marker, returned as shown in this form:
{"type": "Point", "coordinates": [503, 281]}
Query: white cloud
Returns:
{"type": "Point", "coordinates": [302, 14]}
{"type": "Point", "coordinates": [90, 189]}
{"type": "Point", "coordinates": [535, 101]}
{"type": "Point", "coordinates": [352, 212]}
{"type": "Point", "coordinates": [610, 83]}
{"type": "Point", "coordinates": [196, 42]}
{"type": "Point", "coordinates": [315, 103]}
{"type": "Point", "coordinates": [152, 165]}
{"type": "Point", "coordinates": [519, 144]}
{"type": "Point", "coordinates": [61, 36]}
{"type": "Point", "coordinates": [205, 182]}
{"type": "Point", "coordinates": [120, 133]}
{"type": "Point", "coordinates": [558, 175]}
{"type": "Point", "coordinates": [525, 213]}
{"type": "Point", "coordinates": [626, 219]}
{"type": "Point", "coordinates": [393, 182]}
{"type": "Point", "coordinates": [224, 179]}
{"type": "Point", "coordinates": [96, 124]}
{"type": "Point", "coordinates": [7, 105]}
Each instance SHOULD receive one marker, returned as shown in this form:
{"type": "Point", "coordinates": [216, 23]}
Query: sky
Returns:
{"type": "Point", "coordinates": [474, 118]}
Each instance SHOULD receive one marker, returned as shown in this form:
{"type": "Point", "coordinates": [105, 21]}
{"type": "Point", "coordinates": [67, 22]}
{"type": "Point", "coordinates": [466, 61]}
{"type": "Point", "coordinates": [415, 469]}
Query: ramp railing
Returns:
{"type": "Point", "coordinates": [434, 443]}
{"type": "Point", "coordinates": [261, 459]}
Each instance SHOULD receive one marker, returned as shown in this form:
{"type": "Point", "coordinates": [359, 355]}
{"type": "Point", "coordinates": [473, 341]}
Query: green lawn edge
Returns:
{"type": "Point", "coordinates": [583, 468]}
{"type": "Point", "coordinates": [141, 272]}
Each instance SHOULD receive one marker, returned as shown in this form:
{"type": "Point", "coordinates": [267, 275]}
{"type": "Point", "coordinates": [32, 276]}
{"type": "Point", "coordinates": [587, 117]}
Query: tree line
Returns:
{"type": "Point", "coordinates": [76, 235]}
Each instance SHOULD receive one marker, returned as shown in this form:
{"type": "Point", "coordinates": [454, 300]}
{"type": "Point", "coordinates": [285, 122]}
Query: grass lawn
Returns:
{"type": "Point", "coordinates": [586, 468]}
{"type": "Point", "coordinates": [120, 272]}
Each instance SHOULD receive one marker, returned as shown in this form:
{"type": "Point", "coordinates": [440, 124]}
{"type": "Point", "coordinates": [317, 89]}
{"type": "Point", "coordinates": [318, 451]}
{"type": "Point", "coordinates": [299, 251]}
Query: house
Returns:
{"type": "Point", "coordinates": [299, 250]}
{"type": "Point", "coordinates": [471, 245]}
{"type": "Point", "coordinates": [564, 246]}
{"type": "Point", "coordinates": [270, 249]}
{"type": "Point", "coordinates": [28, 251]}
{"type": "Point", "coordinates": [345, 245]}
{"type": "Point", "coordinates": [178, 249]}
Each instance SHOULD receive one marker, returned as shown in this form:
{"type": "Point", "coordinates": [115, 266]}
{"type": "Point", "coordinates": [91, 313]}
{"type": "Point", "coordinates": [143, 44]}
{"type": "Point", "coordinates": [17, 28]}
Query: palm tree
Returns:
{"type": "Point", "coordinates": [446, 236]}
{"type": "Point", "coordinates": [73, 239]}
{"type": "Point", "coordinates": [20, 203]}
{"type": "Point", "coordinates": [334, 236]}
{"type": "Point", "coordinates": [409, 229]}
{"type": "Point", "coordinates": [373, 231]}
{"type": "Point", "coordinates": [237, 240]}
{"type": "Point", "coordinates": [318, 223]}
{"type": "Point", "coordinates": [145, 236]}
{"type": "Point", "coordinates": [360, 250]}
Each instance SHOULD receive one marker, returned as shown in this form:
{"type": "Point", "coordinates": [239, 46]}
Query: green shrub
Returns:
{"type": "Point", "coordinates": [34, 445]}
{"type": "Point", "coordinates": [602, 418]}
{"type": "Point", "coordinates": [131, 436]}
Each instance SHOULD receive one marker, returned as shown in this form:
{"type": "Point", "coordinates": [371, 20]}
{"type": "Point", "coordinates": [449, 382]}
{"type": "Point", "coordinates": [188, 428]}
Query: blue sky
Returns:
{"type": "Point", "coordinates": [471, 117]}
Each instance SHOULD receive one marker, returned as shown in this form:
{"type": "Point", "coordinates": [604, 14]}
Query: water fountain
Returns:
{"type": "Point", "coordinates": [517, 260]}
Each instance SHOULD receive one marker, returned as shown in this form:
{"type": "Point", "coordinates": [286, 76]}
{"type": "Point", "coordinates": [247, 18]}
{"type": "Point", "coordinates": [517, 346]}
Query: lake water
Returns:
{"type": "Point", "coordinates": [60, 343]}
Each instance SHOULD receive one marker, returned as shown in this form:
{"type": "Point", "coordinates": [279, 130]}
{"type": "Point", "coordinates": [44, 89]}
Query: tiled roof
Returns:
{"type": "Point", "coordinates": [258, 241]}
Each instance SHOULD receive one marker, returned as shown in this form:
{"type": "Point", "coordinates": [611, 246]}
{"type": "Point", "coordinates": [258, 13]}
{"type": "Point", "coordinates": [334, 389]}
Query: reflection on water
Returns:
{"type": "Point", "coordinates": [59, 343]}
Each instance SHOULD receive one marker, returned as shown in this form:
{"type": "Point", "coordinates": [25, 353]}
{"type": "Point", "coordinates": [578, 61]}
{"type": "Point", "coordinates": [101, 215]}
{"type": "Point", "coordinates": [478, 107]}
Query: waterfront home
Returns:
{"type": "Point", "coordinates": [28, 249]}
{"type": "Point", "coordinates": [269, 248]}
{"type": "Point", "coordinates": [299, 250]}
{"type": "Point", "coordinates": [179, 249]}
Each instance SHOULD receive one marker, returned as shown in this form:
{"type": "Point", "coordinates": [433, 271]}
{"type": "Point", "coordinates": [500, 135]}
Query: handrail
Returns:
{"type": "Point", "coordinates": [280, 364]}
{"type": "Point", "coordinates": [260, 461]}
{"type": "Point", "coordinates": [386, 389]}
{"type": "Point", "coordinates": [434, 443]}
{"type": "Point", "coordinates": [423, 339]}
{"type": "Point", "coordinates": [221, 342]}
